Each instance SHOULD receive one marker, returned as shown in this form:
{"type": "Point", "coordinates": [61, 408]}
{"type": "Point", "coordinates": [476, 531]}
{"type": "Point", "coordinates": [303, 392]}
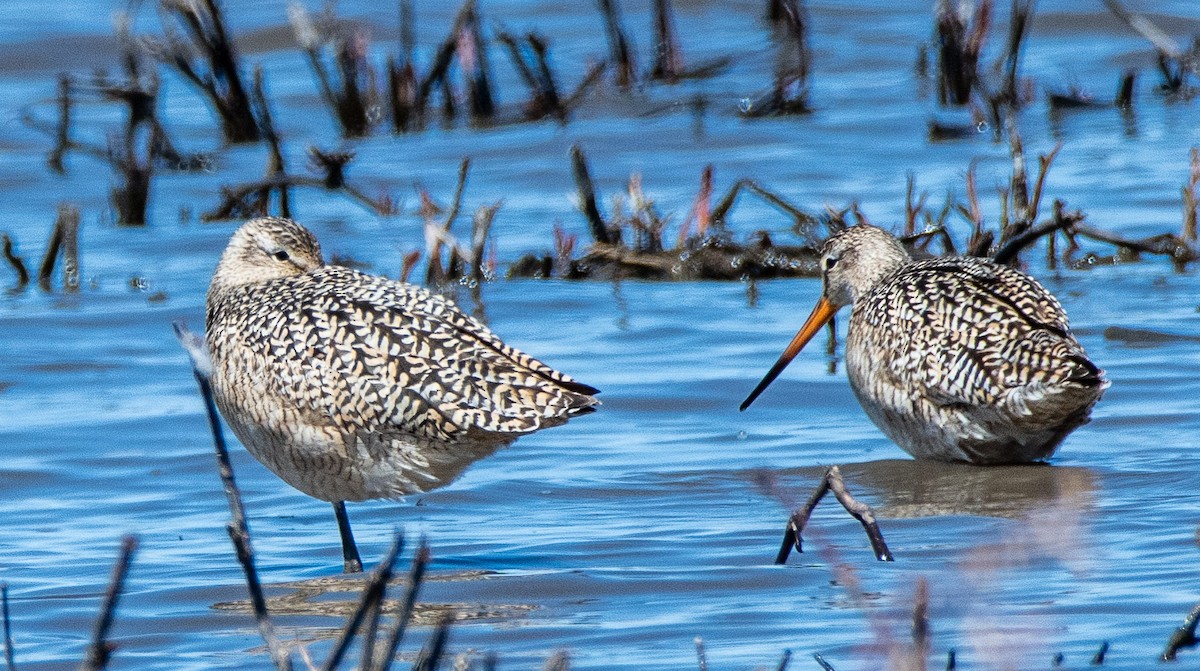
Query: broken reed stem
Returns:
{"type": "Point", "coordinates": [792, 535]}
{"type": "Point", "coordinates": [8, 643]}
{"type": "Point", "coordinates": [1098, 658]}
{"type": "Point", "coordinates": [545, 75]}
{"type": "Point", "coordinates": [482, 226]}
{"type": "Point", "coordinates": [920, 619]}
{"type": "Point", "coordinates": [416, 575]}
{"type": "Point", "coordinates": [474, 63]}
{"type": "Point", "coordinates": [243, 200]}
{"type": "Point", "coordinates": [668, 62]}
{"type": "Point", "coordinates": [456, 204]}
{"type": "Point", "coordinates": [276, 168]}
{"type": "Point", "coordinates": [239, 531]}
{"type": "Point", "coordinates": [826, 666]}
{"type": "Point", "coordinates": [861, 512]}
{"type": "Point", "coordinates": [64, 242]}
{"type": "Point", "coordinates": [100, 649]}
{"type": "Point", "coordinates": [1184, 636]}
{"type": "Point", "coordinates": [432, 653]}
{"type": "Point", "coordinates": [618, 45]}
{"type": "Point", "coordinates": [69, 216]}
{"type": "Point", "coordinates": [369, 603]}
{"type": "Point", "coordinates": [590, 78]}
{"type": "Point", "coordinates": [784, 661]}
{"type": "Point", "coordinates": [1009, 252]}
{"type": "Point", "coordinates": [559, 661]}
{"type": "Point", "coordinates": [1190, 197]}
{"type": "Point", "coordinates": [18, 265]}
{"type": "Point", "coordinates": [224, 84]}
{"type": "Point", "coordinates": [1044, 163]}
{"type": "Point", "coordinates": [587, 197]}
{"type": "Point", "coordinates": [701, 658]}
{"type": "Point", "coordinates": [1019, 19]}
{"type": "Point", "coordinates": [63, 131]}
{"type": "Point", "coordinates": [436, 235]}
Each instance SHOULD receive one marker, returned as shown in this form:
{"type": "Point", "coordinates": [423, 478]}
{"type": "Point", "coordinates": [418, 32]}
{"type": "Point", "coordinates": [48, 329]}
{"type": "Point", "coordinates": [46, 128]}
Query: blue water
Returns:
{"type": "Point", "coordinates": [626, 534]}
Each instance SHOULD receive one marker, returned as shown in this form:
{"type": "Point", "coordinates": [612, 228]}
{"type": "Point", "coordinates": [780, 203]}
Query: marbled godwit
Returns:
{"type": "Point", "coordinates": [955, 359]}
{"type": "Point", "coordinates": [351, 386]}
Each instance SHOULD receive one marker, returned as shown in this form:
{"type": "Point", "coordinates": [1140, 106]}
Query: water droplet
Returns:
{"type": "Point", "coordinates": [744, 105]}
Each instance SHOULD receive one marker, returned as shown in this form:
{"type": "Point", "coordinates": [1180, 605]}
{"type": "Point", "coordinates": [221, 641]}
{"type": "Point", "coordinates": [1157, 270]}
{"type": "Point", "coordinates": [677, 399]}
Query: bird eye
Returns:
{"type": "Point", "coordinates": [830, 262]}
{"type": "Point", "coordinates": [281, 255]}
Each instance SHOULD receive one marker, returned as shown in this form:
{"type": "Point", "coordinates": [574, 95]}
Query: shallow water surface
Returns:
{"type": "Point", "coordinates": [626, 534]}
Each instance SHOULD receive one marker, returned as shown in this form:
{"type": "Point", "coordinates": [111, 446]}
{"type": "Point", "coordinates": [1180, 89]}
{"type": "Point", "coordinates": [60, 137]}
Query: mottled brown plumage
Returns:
{"type": "Point", "coordinates": [352, 386]}
{"type": "Point", "coordinates": [957, 359]}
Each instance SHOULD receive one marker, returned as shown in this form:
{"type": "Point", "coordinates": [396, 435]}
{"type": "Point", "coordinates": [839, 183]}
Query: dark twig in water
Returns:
{"type": "Point", "coordinates": [619, 50]}
{"type": "Point", "coordinates": [1020, 17]}
{"type": "Point", "coordinates": [952, 660]}
{"type": "Point", "coordinates": [590, 78]}
{"type": "Point", "coordinates": [239, 531]}
{"type": "Point", "coordinates": [9, 662]}
{"type": "Point", "coordinates": [351, 95]}
{"type": "Point", "coordinates": [1166, 244]}
{"type": "Point", "coordinates": [794, 532]}
{"type": "Point", "coordinates": [1184, 636]}
{"type": "Point", "coordinates": [481, 227]}
{"type": "Point", "coordinates": [784, 661]}
{"type": "Point", "coordinates": [1173, 62]}
{"type": "Point", "coordinates": [63, 242]}
{"type": "Point", "coordinates": [63, 133]}
{"type": "Point", "coordinates": [559, 661]}
{"type": "Point", "coordinates": [1009, 253]}
{"type": "Point", "coordinates": [859, 511]}
{"type": "Point", "coordinates": [821, 661]}
{"type": "Point", "coordinates": [370, 600]}
{"type": "Point", "coordinates": [220, 80]}
{"type": "Point", "coordinates": [1190, 198]}
{"type": "Point", "coordinates": [416, 575]}
{"type": "Point", "coordinates": [432, 653]}
{"type": "Point", "coordinates": [1098, 658]}
{"type": "Point", "coordinates": [668, 61]}
{"type": "Point", "coordinates": [832, 481]}
{"type": "Point", "coordinates": [959, 46]}
{"type": "Point", "coordinates": [245, 201]}
{"type": "Point", "coordinates": [18, 265]}
{"type": "Point", "coordinates": [534, 68]}
{"type": "Point", "coordinates": [587, 197]}
{"type": "Point", "coordinates": [438, 234]}
{"type": "Point", "coordinates": [473, 59]}
{"type": "Point", "coordinates": [701, 658]}
{"type": "Point", "coordinates": [276, 168]}
{"type": "Point", "coordinates": [793, 58]}
{"type": "Point", "coordinates": [100, 650]}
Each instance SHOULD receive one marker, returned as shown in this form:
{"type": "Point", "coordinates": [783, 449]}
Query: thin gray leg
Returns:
{"type": "Point", "coordinates": [349, 550]}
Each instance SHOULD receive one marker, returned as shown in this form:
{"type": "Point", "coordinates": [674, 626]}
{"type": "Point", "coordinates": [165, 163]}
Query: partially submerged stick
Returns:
{"type": "Point", "coordinates": [832, 481]}
{"type": "Point", "coordinates": [18, 265]}
{"type": "Point", "coordinates": [8, 644]}
{"type": "Point", "coordinates": [369, 602]}
{"type": "Point", "coordinates": [239, 531]}
{"type": "Point", "coordinates": [416, 575]}
{"type": "Point", "coordinates": [1184, 636]}
{"type": "Point", "coordinates": [587, 196]}
{"type": "Point", "coordinates": [100, 649]}
{"type": "Point", "coordinates": [64, 243]}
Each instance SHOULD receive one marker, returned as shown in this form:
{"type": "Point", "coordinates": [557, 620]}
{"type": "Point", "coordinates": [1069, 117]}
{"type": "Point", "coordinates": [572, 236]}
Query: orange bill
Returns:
{"type": "Point", "coordinates": [821, 314]}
